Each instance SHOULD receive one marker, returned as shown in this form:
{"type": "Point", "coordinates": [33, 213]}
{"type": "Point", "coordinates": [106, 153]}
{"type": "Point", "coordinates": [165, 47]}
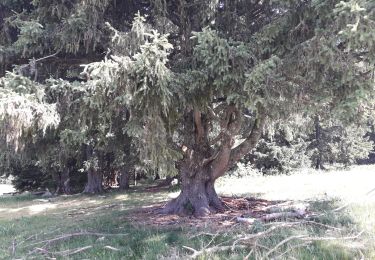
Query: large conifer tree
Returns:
{"type": "Point", "coordinates": [194, 84]}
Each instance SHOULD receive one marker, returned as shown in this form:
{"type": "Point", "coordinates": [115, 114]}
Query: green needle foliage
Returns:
{"type": "Point", "coordinates": [182, 87]}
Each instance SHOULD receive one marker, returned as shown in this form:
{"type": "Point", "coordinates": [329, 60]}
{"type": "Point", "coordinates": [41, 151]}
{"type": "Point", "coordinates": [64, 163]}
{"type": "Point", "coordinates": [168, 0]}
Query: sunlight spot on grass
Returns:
{"type": "Point", "coordinates": [121, 197]}
{"type": "Point", "coordinates": [16, 210]}
{"type": "Point", "coordinates": [148, 206]}
{"type": "Point", "coordinates": [35, 209]}
{"type": "Point", "coordinates": [95, 202]}
{"type": "Point", "coordinates": [156, 238]}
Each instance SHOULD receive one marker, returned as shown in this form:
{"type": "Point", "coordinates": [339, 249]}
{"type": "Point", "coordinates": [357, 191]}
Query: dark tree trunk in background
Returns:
{"type": "Point", "coordinates": [157, 176]}
{"type": "Point", "coordinates": [124, 180]}
{"type": "Point", "coordinates": [94, 182]}
{"type": "Point", "coordinates": [63, 183]}
{"type": "Point", "coordinates": [318, 137]}
{"type": "Point", "coordinates": [94, 176]}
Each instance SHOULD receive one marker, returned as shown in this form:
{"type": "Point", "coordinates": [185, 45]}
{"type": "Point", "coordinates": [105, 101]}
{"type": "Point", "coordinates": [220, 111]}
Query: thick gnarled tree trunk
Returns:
{"type": "Point", "coordinates": [202, 165]}
{"type": "Point", "coordinates": [198, 195]}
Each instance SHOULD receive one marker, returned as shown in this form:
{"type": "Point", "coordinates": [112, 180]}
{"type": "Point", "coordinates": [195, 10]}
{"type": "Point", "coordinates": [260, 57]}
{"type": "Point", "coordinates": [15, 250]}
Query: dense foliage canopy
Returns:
{"type": "Point", "coordinates": [182, 87]}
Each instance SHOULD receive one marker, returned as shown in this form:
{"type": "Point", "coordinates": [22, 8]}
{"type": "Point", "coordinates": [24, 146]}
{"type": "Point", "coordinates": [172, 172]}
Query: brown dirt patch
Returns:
{"type": "Point", "coordinates": [236, 207]}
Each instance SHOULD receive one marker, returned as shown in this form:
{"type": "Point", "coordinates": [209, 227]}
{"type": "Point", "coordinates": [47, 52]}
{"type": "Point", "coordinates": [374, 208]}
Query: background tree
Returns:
{"type": "Point", "coordinates": [302, 142]}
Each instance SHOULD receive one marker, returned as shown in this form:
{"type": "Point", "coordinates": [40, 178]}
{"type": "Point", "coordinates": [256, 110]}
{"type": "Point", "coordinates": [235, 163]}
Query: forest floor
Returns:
{"type": "Point", "coordinates": [339, 222]}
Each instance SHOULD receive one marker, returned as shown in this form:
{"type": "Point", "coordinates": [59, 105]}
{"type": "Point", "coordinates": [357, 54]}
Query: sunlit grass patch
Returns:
{"type": "Point", "coordinates": [105, 232]}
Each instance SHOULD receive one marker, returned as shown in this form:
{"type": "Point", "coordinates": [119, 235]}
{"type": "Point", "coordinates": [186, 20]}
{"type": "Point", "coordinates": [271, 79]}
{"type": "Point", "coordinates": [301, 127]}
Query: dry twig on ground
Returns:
{"type": "Point", "coordinates": [251, 241]}
{"type": "Point", "coordinates": [68, 236]}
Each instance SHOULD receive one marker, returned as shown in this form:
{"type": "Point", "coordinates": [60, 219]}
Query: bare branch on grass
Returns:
{"type": "Point", "coordinates": [284, 242]}
{"type": "Point", "coordinates": [202, 234]}
{"type": "Point", "coordinates": [62, 253]}
{"type": "Point", "coordinates": [332, 238]}
{"type": "Point", "coordinates": [246, 241]}
{"type": "Point", "coordinates": [112, 248]}
{"type": "Point", "coordinates": [319, 224]}
{"type": "Point", "coordinates": [69, 236]}
{"type": "Point", "coordinates": [211, 250]}
{"type": "Point", "coordinates": [291, 248]}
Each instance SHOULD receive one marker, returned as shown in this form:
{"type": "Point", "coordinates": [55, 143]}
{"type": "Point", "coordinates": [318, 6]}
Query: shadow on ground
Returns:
{"type": "Point", "coordinates": [125, 226]}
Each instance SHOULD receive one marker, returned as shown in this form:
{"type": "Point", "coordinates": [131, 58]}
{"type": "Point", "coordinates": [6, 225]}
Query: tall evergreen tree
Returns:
{"type": "Point", "coordinates": [198, 80]}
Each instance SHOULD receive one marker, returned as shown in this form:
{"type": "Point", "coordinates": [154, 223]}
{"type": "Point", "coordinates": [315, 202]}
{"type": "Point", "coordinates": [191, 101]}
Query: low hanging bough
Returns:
{"type": "Point", "coordinates": [23, 108]}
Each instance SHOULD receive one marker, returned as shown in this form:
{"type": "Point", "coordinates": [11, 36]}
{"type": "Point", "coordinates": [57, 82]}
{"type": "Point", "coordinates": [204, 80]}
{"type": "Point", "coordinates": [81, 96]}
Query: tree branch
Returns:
{"type": "Point", "coordinates": [211, 250]}
{"type": "Point", "coordinates": [251, 141]}
{"type": "Point", "coordinates": [198, 125]}
{"type": "Point", "coordinates": [229, 128]}
{"type": "Point", "coordinates": [69, 236]}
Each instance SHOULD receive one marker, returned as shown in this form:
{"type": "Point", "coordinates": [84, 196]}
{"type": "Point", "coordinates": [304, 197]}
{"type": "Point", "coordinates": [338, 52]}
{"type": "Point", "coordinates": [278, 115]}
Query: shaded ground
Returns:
{"type": "Point", "coordinates": [124, 225]}
{"type": "Point", "coordinates": [236, 207]}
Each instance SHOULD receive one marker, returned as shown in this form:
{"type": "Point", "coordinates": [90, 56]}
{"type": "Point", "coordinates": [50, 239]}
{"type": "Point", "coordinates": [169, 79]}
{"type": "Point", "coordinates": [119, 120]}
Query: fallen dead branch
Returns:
{"type": "Point", "coordinates": [73, 251]}
{"type": "Point", "coordinates": [308, 240]}
{"type": "Point", "coordinates": [250, 241]}
{"type": "Point", "coordinates": [319, 224]}
{"type": "Point", "coordinates": [259, 234]}
{"type": "Point", "coordinates": [202, 234]}
{"type": "Point", "coordinates": [69, 236]}
{"type": "Point", "coordinates": [112, 248]}
{"type": "Point", "coordinates": [282, 243]}
{"type": "Point", "coordinates": [48, 242]}
{"type": "Point", "coordinates": [284, 210]}
{"type": "Point", "coordinates": [282, 215]}
{"type": "Point", "coordinates": [292, 248]}
{"type": "Point", "coordinates": [62, 253]}
{"type": "Point", "coordinates": [333, 238]}
{"type": "Point", "coordinates": [211, 250]}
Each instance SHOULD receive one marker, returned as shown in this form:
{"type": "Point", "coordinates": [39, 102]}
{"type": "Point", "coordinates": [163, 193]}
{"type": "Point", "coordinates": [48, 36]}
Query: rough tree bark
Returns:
{"type": "Point", "coordinates": [63, 183]}
{"type": "Point", "coordinates": [198, 172]}
{"type": "Point", "coordinates": [94, 176]}
{"type": "Point", "coordinates": [318, 137]}
{"type": "Point", "coordinates": [124, 180]}
{"type": "Point", "coordinates": [94, 182]}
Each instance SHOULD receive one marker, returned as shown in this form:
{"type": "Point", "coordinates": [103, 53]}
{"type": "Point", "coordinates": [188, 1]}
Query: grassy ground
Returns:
{"type": "Point", "coordinates": [97, 227]}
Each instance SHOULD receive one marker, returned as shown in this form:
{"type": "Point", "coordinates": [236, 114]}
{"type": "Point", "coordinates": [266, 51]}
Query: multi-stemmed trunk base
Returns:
{"type": "Point", "coordinates": [197, 197]}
